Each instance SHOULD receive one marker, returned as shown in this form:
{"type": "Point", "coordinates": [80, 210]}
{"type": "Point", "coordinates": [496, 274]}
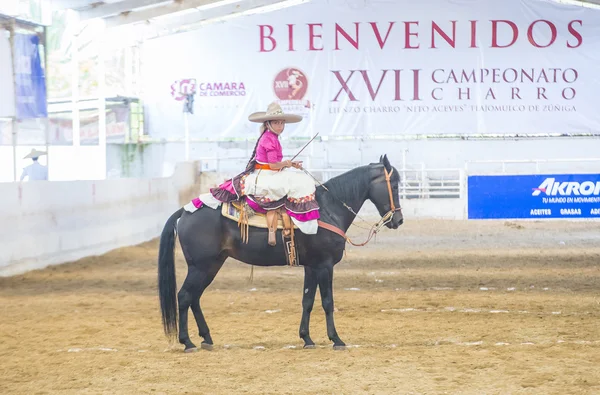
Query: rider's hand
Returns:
{"type": "Point", "coordinates": [297, 165]}
{"type": "Point", "coordinates": [287, 163]}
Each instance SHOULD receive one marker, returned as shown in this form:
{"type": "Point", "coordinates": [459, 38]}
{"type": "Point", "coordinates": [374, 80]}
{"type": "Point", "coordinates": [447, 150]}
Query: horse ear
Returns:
{"type": "Point", "coordinates": [380, 158]}
{"type": "Point", "coordinates": [386, 163]}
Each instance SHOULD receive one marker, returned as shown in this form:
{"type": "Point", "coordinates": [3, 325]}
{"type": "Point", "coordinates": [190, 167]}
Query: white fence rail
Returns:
{"type": "Point", "coordinates": [416, 183]}
{"type": "Point", "coordinates": [419, 182]}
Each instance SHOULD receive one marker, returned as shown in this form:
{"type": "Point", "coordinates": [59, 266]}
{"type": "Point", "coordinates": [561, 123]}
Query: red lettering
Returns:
{"type": "Point", "coordinates": [473, 34]}
{"type": "Point", "coordinates": [338, 29]}
{"type": "Point", "coordinates": [435, 28]}
{"type": "Point", "coordinates": [435, 79]}
{"type": "Point", "coordinates": [397, 81]}
{"type": "Point", "coordinates": [553, 33]}
{"type": "Point", "coordinates": [312, 36]}
{"type": "Point", "coordinates": [344, 84]}
{"type": "Point", "coordinates": [504, 34]}
{"type": "Point", "coordinates": [290, 37]}
{"type": "Point", "coordinates": [408, 33]}
{"type": "Point", "coordinates": [460, 93]}
{"type": "Point", "coordinates": [575, 34]}
{"type": "Point", "coordinates": [378, 36]}
{"type": "Point", "coordinates": [564, 93]}
{"type": "Point", "coordinates": [416, 84]}
{"type": "Point", "coordinates": [433, 94]}
{"type": "Point", "coordinates": [263, 36]}
{"type": "Point", "coordinates": [515, 32]}
{"type": "Point", "coordinates": [542, 93]}
{"type": "Point", "coordinates": [515, 93]}
{"type": "Point", "coordinates": [368, 82]}
{"type": "Point", "coordinates": [495, 76]}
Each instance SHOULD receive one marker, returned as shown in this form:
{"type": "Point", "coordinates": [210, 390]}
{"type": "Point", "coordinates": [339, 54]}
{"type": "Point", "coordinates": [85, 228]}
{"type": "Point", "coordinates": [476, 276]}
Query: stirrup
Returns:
{"type": "Point", "coordinates": [272, 237]}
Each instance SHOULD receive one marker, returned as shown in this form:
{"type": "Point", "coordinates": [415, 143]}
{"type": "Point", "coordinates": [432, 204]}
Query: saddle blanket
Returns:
{"type": "Point", "coordinates": [257, 220]}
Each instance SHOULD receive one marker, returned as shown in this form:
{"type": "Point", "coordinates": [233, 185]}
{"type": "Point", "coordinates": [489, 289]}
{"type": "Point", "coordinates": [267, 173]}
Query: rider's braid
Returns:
{"type": "Point", "coordinates": [252, 161]}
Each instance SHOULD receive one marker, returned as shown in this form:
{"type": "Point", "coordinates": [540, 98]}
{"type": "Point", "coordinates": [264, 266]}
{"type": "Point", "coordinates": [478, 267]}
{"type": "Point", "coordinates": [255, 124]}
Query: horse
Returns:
{"type": "Point", "coordinates": [207, 239]}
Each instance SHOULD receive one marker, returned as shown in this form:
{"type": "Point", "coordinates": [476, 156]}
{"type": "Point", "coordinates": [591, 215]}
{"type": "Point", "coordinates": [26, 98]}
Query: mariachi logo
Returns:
{"type": "Point", "coordinates": [180, 89]}
{"type": "Point", "coordinates": [290, 84]}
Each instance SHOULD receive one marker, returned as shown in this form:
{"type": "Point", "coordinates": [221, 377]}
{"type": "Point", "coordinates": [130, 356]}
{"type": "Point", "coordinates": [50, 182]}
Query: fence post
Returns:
{"type": "Point", "coordinates": [423, 180]}
{"type": "Point", "coordinates": [404, 151]}
{"type": "Point", "coordinates": [464, 196]}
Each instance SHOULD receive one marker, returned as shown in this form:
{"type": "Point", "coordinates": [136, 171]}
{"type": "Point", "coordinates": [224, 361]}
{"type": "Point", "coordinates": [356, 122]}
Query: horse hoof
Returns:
{"type": "Point", "coordinates": [206, 346]}
{"type": "Point", "coordinates": [340, 348]}
{"type": "Point", "coordinates": [191, 349]}
{"type": "Point", "coordinates": [310, 347]}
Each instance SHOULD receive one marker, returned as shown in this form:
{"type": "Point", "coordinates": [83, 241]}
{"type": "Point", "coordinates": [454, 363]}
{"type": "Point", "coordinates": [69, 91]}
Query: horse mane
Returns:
{"type": "Point", "coordinates": [350, 183]}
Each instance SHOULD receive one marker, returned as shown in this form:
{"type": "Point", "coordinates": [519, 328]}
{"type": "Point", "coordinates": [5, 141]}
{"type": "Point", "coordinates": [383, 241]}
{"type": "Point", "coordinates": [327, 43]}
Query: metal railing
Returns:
{"type": "Point", "coordinates": [415, 183]}
{"type": "Point", "coordinates": [419, 182]}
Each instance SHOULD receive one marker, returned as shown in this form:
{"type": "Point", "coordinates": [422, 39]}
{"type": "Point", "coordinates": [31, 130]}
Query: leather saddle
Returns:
{"type": "Point", "coordinates": [273, 220]}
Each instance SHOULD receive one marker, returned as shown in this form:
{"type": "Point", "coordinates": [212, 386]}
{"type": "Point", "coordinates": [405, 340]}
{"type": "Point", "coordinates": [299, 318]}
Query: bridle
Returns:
{"type": "Point", "coordinates": [386, 218]}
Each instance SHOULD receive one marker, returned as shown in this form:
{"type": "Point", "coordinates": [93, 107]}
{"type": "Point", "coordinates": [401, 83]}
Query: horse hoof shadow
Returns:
{"type": "Point", "coordinates": [310, 347]}
{"type": "Point", "coordinates": [206, 346]}
{"type": "Point", "coordinates": [340, 348]}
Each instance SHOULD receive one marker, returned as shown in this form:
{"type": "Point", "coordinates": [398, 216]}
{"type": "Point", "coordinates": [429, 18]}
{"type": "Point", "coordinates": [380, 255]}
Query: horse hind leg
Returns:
{"type": "Point", "coordinates": [207, 279]}
{"type": "Point", "coordinates": [195, 283]}
{"type": "Point", "coordinates": [185, 296]}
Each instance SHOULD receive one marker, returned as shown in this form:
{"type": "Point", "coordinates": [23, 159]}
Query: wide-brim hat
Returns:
{"type": "Point", "coordinates": [34, 154]}
{"type": "Point", "coordinates": [274, 113]}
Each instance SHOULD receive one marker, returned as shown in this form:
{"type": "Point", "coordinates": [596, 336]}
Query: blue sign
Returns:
{"type": "Point", "coordinates": [30, 80]}
{"type": "Point", "coordinates": [534, 196]}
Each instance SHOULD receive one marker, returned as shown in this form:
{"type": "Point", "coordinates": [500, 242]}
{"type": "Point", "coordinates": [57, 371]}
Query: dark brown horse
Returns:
{"type": "Point", "coordinates": [207, 239]}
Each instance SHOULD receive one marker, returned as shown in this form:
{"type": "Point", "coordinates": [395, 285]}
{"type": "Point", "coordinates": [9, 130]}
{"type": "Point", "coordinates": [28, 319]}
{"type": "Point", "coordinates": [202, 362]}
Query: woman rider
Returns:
{"type": "Point", "coordinates": [269, 182]}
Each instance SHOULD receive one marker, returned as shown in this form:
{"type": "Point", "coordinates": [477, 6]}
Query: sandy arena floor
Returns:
{"type": "Point", "coordinates": [435, 307]}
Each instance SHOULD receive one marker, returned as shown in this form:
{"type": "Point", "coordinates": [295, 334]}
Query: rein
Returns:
{"type": "Point", "coordinates": [374, 228]}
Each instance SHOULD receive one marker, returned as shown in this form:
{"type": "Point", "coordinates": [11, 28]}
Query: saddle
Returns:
{"type": "Point", "coordinates": [273, 220]}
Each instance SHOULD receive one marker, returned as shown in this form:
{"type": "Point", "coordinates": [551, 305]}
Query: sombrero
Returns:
{"type": "Point", "coordinates": [34, 154]}
{"type": "Point", "coordinates": [274, 113]}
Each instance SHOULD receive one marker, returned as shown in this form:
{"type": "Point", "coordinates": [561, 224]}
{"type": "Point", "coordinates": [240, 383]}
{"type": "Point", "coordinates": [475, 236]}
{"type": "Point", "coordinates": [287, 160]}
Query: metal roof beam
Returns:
{"type": "Point", "coordinates": [109, 9]}
{"type": "Point", "coordinates": [144, 15]}
{"type": "Point", "coordinates": [178, 23]}
{"type": "Point", "coordinates": [72, 4]}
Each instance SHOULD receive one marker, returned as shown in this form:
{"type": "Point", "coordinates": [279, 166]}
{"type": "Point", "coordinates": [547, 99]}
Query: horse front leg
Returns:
{"type": "Point", "coordinates": [308, 300]}
{"type": "Point", "coordinates": [325, 280]}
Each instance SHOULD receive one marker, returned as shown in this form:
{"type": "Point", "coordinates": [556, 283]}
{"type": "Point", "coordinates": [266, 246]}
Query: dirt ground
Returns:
{"type": "Point", "coordinates": [436, 307]}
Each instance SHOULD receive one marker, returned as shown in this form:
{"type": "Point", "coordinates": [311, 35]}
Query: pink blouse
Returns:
{"type": "Point", "coordinates": [269, 149]}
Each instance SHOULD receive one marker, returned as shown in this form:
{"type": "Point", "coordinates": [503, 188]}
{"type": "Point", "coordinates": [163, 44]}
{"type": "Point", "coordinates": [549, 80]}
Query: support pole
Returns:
{"type": "Point", "coordinates": [47, 120]}
{"type": "Point", "coordinates": [102, 102]}
{"type": "Point", "coordinates": [14, 144]}
{"type": "Point", "coordinates": [75, 85]}
{"type": "Point", "coordinates": [14, 125]}
{"type": "Point", "coordinates": [186, 125]}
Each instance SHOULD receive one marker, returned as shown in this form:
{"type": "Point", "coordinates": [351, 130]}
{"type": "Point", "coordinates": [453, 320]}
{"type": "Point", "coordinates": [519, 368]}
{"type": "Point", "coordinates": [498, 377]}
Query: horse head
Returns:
{"type": "Point", "coordinates": [383, 192]}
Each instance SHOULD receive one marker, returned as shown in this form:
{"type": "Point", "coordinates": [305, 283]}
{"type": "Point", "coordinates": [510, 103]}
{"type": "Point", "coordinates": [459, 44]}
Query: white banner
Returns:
{"type": "Point", "coordinates": [384, 68]}
{"type": "Point", "coordinates": [7, 86]}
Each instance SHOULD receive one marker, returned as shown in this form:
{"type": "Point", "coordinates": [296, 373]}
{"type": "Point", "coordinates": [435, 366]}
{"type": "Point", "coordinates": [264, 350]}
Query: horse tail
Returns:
{"type": "Point", "coordinates": [167, 284]}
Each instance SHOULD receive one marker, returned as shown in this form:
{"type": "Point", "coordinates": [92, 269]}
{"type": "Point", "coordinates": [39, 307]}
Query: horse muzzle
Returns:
{"type": "Point", "coordinates": [396, 221]}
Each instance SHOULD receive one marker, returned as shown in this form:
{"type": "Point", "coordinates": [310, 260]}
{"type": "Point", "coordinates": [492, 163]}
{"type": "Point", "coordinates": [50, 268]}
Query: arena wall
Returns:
{"type": "Point", "coordinates": [46, 223]}
{"type": "Point", "coordinates": [158, 159]}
